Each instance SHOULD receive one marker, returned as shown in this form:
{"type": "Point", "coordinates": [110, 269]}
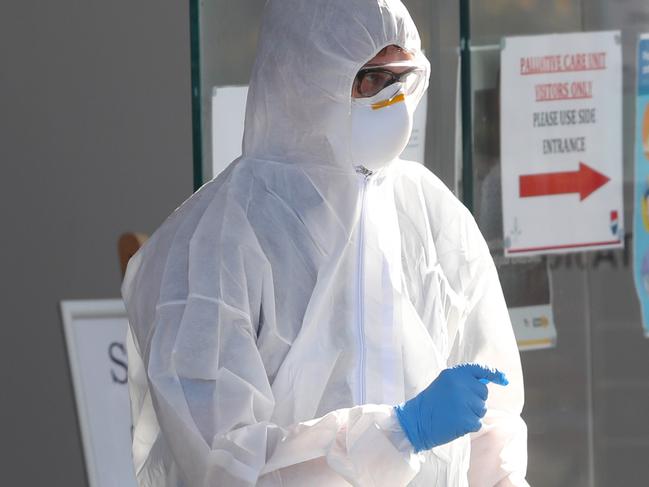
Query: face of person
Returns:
{"type": "Point", "coordinates": [389, 54]}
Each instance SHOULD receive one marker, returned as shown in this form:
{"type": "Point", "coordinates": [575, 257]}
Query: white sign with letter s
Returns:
{"type": "Point", "coordinates": [95, 334]}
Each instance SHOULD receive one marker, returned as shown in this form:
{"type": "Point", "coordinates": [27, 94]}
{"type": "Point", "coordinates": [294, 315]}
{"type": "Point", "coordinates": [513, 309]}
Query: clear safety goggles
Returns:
{"type": "Point", "coordinates": [373, 79]}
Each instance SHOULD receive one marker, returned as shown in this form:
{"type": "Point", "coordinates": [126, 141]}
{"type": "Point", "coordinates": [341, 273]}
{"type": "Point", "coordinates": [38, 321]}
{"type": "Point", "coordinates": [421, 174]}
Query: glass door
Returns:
{"type": "Point", "coordinates": [588, 392]}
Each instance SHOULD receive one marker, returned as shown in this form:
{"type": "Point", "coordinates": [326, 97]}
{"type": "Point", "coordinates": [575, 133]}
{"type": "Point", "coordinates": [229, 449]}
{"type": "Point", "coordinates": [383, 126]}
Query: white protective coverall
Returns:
{"type": "Point", "coordinates": [279, 314]}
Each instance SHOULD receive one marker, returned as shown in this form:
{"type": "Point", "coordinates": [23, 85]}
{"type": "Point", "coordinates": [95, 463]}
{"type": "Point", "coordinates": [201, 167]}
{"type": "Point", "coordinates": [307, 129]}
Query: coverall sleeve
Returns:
{"type": "Point", "coordinates": [212, 402]}
{"type": "Point", "coordinates": [499, 449]}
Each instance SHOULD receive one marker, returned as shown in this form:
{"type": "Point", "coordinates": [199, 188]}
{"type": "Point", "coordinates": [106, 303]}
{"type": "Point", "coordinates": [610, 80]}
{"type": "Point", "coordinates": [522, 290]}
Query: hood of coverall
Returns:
{"type": "Point", "coordinates": [299, 102]}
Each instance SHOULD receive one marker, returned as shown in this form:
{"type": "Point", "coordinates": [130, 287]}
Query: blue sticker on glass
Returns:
{"type": "Point", "coordinates": [641, 203]}
{"type": "Point", "coordinates": [643, 67]}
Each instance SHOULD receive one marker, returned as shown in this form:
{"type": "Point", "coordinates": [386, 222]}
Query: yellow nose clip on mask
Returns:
{"type": "Point", "coordinates": [390, 101]}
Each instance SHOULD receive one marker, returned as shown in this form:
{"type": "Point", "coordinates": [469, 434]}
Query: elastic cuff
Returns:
{"type": "Point", "coordinates": [407, 429]}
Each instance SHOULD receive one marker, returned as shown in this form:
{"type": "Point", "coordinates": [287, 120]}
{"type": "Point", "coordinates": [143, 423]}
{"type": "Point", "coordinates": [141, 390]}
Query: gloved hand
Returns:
{"type": "Point", "coordinates": [450, 407]}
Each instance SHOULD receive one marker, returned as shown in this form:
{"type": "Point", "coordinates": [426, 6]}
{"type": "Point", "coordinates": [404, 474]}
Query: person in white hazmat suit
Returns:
{"type": "Point", "coordinates": [302, 320]}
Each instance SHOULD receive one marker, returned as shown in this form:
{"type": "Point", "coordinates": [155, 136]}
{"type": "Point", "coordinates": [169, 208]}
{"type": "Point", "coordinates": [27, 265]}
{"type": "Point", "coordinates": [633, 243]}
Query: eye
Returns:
{"type": "Point", "coordinates": [373, 82]}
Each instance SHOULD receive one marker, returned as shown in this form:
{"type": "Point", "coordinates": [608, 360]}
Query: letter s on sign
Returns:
{"type": "Point", "coordinates": [117, 350]}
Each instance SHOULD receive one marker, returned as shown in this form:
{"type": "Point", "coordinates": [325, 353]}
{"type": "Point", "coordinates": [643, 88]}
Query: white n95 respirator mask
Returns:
{"type": "Point", "coordinates": [380, 127]}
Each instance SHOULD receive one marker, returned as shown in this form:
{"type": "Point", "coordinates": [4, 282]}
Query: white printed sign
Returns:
{"type": "Point", "coordinates": [95, 334]}
{"type": "Point", "coordinates": [561, 143]}
{"type": "Point", "coordinates": [228, 116]}
{"type": "Point", "coordinates": [416, 148]}
{"type": "Point", "coordinates": [534, 327]}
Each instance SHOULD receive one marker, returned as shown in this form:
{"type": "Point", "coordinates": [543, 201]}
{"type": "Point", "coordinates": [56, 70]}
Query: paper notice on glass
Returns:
{"type": "Point", "coordinates": [526, 286]}
{"type": "Point", "coordinates": [561, 143]}
{"type": "Point", "coordinates": [416, 148]}
{"type": "Point", "coordinates": [534, 327]}
{"type": "Point", "coordinates": [228, 115]}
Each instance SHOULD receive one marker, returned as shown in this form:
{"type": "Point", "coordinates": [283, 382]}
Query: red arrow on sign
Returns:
{"type": "Point", "coordinates": [585, 181]}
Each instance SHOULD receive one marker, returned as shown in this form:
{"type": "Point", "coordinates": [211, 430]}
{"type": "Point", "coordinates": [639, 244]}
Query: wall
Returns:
{"type": "Point", "coordinates": [95, 140]}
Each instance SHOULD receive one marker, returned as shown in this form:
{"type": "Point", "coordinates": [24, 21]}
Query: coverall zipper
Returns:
{"type": "Point", "coordinates": [365, 175]}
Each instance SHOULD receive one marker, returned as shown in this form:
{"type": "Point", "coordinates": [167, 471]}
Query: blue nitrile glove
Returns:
{"type": "Point", "coordinates": [450, 407]}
